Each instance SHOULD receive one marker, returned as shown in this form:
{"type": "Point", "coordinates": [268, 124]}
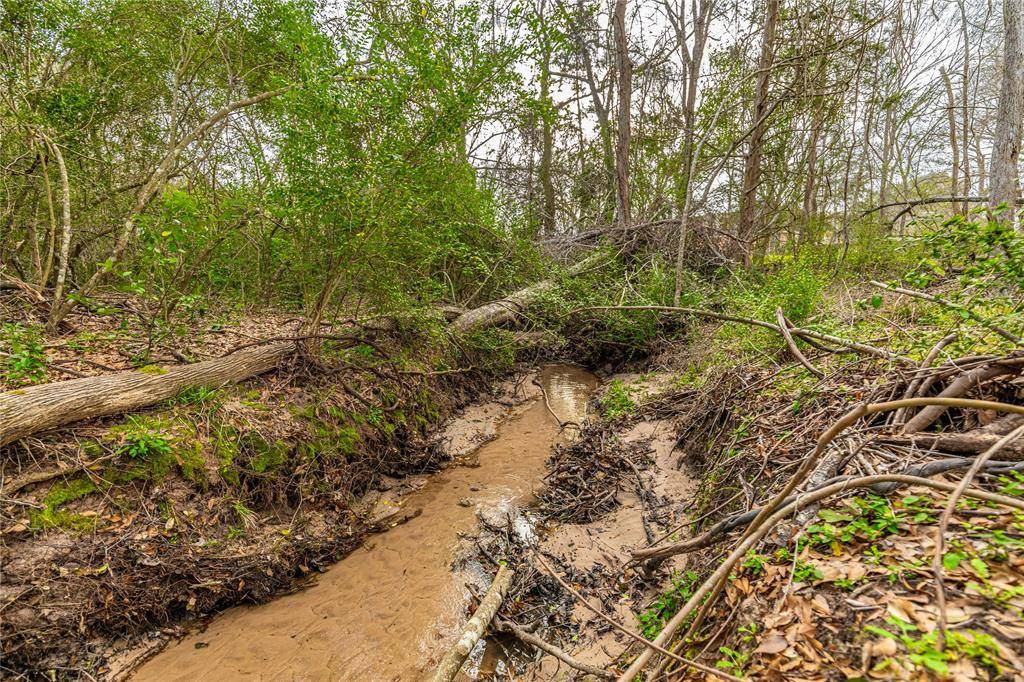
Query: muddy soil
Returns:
{"type": "Point", "coordinates": [391, 609]}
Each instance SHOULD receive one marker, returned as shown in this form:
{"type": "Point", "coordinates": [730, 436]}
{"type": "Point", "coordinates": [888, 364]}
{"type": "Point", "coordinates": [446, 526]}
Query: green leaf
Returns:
{"type": "Point", "coordinates": [951, 560]}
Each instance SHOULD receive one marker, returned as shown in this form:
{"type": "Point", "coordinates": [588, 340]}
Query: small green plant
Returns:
{"type": "Point", "coordinates": [864, 518]}
{"type": "Point", "coordinates": [25, 359]}
{"type": "Point", "coordinates": [653, 619]}
{"type": "Point", "coordinates": [754, 562]}
{"type": "Point", "coordinates": [733, 661]}
{"type": "Point", "coordinates": [245, 515]}
{"type": "Point", "coordinates": [617, 401]}
{"type": "Point", "coordinates": [805, 573]}
{"type": "Point", "coordinates": [196, 395]}
{"type": "Point", "coordinates": [139, 441]}
{"type": "Point", "coordinates": [924, 652]}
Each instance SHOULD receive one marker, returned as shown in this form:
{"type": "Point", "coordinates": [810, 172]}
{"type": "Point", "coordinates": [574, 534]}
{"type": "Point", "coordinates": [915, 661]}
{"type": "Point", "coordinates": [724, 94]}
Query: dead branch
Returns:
{"type": "Point", "coordinates": [791, 344]}
{"type": "Point", "coordinates": [474, 629]}
{"type": "Point", "coordinates": [548, 648]}
{"type": "Point", "coordinates": [717, 532]}
{"type": "Point", "coordinates": [795, 331]}
{"type": "Point", "coordinates": [44, 476]}
{"type": "Point", "coordinates": [915, 383]}
{"type": "Point", "coordinates": [651, 646]}
{"type": "Point", "coordinates": [960, 386]}
{"type": "Point", "coordinates": [988, 324]}
{"type": "Point", "coordinates": [763, 526]}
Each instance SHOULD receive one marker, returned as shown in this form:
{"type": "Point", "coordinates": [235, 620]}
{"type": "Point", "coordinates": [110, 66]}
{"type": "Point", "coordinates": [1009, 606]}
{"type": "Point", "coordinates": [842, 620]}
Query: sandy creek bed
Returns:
{"type": "Point", "coordinates": [390, 609]}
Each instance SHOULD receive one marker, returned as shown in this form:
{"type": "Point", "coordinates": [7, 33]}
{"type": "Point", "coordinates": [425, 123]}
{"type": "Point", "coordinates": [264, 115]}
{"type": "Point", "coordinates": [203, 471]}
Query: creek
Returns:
{"type": "Point", "coordinates": [390, 609]}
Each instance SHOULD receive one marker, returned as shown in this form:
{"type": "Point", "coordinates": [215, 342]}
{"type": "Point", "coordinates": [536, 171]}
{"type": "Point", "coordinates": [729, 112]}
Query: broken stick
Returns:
{"type": "Point", "coordinates": [474, 629]}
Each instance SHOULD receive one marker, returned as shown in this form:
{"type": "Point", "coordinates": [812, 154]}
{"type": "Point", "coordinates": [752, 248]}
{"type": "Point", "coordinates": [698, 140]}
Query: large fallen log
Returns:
{"type": "Point", "coordinates": [48, 406]}
{"type": "Point", "coordinates": [506, 310]}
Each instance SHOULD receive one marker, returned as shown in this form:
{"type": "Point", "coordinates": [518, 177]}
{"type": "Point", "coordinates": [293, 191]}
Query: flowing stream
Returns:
{"type": "Point", "coordinates": [389, 610]}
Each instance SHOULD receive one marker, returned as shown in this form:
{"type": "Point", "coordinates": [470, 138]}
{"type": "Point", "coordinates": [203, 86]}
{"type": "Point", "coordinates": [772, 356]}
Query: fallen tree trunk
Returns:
{"type": "Point", "coordinates": [506, 310]}
{"type": "Point", "coordinates": [48, 406]}
{"type": "Point", "coordinates": [474, 629]}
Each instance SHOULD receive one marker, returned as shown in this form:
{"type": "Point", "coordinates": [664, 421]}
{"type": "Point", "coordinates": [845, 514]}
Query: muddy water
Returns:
{"type": "Point", "coordinates": [391, 609]}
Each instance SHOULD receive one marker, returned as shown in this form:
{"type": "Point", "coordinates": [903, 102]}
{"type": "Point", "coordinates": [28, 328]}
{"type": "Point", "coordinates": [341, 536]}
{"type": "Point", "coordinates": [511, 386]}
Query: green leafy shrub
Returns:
{"type": "Point", "coordinates": [25, 359]}
{"type": "Point", "coordinates": [618, 401]}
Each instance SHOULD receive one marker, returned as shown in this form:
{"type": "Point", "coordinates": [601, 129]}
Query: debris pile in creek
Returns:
{"type": "Point", "coordinates": [585, 476]}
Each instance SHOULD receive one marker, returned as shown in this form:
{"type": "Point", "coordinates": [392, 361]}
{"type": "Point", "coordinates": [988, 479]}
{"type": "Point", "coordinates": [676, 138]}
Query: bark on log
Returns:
{"type": "Point", "coordinates": [47, 406]}
{"type": "Point", "coordinates": [474, 629]}
{"type": "Point", "coordinates": [960, 386]}
{"type": "Point", "coordinates": [505, 310]}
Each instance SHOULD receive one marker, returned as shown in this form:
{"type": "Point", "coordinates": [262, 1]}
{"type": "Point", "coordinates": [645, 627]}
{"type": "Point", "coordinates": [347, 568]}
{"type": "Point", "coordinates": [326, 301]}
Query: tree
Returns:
{"type": "Point", "coordinates": [624, 78]}
{"type": "Point", "coordinates": [759, 118]}
{"type": "Point", "coordinates": [1003, 168]}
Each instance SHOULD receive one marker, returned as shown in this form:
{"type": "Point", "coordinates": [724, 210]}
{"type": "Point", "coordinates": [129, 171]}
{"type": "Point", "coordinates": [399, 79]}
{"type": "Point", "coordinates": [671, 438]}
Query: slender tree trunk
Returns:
{"type": "Point", "coordinates": [65, 239]}
{"type": "Point", "coordinates": [810, 204]}
{"type": "Point", "coordinates": [965, 120]}
{"type": "Point", "coordinates": [603, 117]}
{"type": "Point", "coordinates": [954, 182]}
{"type": "Point", "coordinates": [755, 150]}
{"type": "Point", "coordinates": [547, 145]}
{"type": "Point", "coordinates": [1010, 115]}
{"type": "Point", "coordinates": [624, 68]}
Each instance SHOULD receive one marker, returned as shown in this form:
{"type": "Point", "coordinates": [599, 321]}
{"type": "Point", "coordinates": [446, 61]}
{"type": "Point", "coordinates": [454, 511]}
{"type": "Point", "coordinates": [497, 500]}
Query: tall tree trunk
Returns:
{"type": "Point", "coordinates": [65, 238]}
{"type": "Point", "coordinates": [755, 150]}
{"type": "Point", "coordinates": [954, 181]}
{"type": "Point", "coordinates": [624, 68]}
{"type": "Point", "coordinates": [604, 127]}
{"type": "Point", "coordinates": [547, 144]}
{"type": "Point", "coordinates": [1010, 115]}
{"type": "Point", "coordinates": [810, 204]}
{"type": "Point", "coordinates": [965, 120]}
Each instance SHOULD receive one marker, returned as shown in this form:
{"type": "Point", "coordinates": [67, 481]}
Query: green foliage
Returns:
{"type": "Point", "coordinates": [806, 573]}
{"type": "Point", "coordinates": [24, 359]}
{"type": "Point", "coordinates": [139, 440]}
{"type": "Point", "coordinates": [866, 518]}
{"type": "Point", "coordinates": [985, 258]}
{"type": "Point", "coordinates": [652, 620]}
{"type": "Point", "coordinates": [795, 284]}
{"type": "Point", "coordinates": [733, 662]}
{"type": "Point", "coordinates": [923, 650]}
{"type": "Point", "coordinates": [618, 401]}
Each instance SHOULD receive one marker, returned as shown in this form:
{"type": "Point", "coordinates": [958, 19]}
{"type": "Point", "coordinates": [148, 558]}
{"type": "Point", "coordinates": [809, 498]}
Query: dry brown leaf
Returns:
{"type": "Point", "coordinates": [773, 643]}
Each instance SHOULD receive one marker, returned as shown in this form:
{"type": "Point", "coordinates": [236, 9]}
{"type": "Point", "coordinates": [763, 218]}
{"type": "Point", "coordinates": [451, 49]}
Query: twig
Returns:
{"type": "Point", "coordinates": [752, 538]}
{"type": "Point", "coordinates": [547, 647]}
{"type": "Point", "coordinates": [915, 383]}
{"type": "Point", "coordinates": [765, 516]}
{"type": "Point", "coordinates": [959, 387]}
{"type": "Point", "coordinates": [940, 532]}
{"type": "Point", "coordinates": [795, 331]}
{"type": "Point", "coordinates": [43, 476]}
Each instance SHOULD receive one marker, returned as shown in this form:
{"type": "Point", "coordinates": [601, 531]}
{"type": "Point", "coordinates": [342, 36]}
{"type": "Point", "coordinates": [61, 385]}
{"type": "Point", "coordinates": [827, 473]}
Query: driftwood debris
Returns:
{"type": "Point", "coordinates": [474, 629]}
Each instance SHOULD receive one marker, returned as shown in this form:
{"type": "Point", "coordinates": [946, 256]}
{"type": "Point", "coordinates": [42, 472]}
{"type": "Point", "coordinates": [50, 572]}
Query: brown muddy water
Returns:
{"type": "Point", "coordinates": [391, 609]}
